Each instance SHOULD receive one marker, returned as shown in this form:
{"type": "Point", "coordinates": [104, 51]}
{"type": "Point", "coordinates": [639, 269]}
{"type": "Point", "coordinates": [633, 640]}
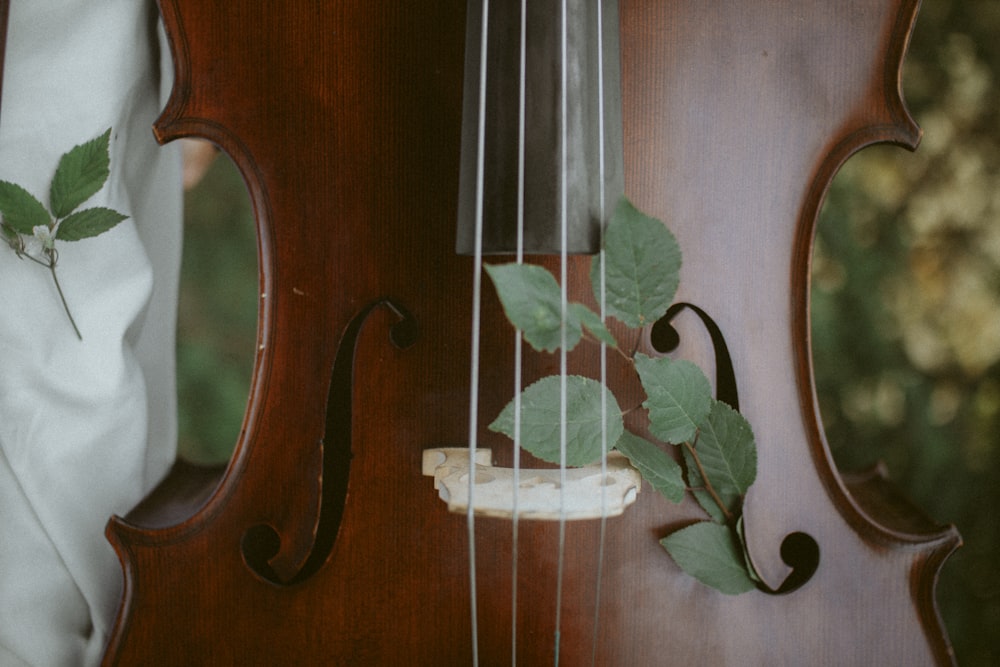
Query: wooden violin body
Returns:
{"type": "Point", "coordinates": [322, 543]}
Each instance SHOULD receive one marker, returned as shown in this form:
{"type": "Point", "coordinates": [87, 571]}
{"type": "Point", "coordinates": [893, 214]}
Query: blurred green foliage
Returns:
{"type": "Point", "coordinates": [906, 309]}
{"type": "Point", "coordinates": [217, 319]}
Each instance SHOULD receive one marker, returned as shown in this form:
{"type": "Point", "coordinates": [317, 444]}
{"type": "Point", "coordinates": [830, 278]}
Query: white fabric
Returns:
{"type": "Point", "coordinates": [86, 427]}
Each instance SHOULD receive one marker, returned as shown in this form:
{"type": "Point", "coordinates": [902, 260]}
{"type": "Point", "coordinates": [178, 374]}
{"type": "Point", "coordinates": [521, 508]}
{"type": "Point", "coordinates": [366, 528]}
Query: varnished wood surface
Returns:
{"type": "Point", "coordinates": [344, 118]}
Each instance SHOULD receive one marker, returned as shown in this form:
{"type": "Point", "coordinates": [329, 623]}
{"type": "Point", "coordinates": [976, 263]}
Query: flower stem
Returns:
{"type": "Point", "coordinates": [55, 279]}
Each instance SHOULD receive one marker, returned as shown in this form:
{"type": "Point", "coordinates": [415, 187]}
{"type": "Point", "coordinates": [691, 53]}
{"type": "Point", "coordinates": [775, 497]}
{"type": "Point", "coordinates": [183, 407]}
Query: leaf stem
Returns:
{"type": "Point", "coordinates": [708, 483]}
{"type": "Point", "coordinates": [34, 259]}
{"type": "Point", "coordinates": [62, 297]}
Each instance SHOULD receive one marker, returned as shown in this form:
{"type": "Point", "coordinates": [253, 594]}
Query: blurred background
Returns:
{"type": "Point", "coordinates": [905, 309]}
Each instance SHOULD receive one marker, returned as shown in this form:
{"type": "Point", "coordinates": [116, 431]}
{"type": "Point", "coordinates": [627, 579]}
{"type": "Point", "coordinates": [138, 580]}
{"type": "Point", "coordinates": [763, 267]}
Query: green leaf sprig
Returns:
{"type": "Point", "coordinates": [31, 230]}
{"type": "Point", "coordinates": [639, 270]}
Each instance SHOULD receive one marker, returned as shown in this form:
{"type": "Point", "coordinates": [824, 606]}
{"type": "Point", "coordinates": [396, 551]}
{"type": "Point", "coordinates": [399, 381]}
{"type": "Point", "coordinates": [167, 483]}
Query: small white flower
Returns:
{"type": "Point", "coordinates": [44, 236]}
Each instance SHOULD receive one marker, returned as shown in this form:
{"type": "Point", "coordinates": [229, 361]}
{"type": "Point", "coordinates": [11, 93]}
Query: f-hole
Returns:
{"type": "Point", "coordinates": [799, 551]}
{"type": "Point", "coordinates": [665, 339]}
{"type": "Point", "coordinates": [261, 542]}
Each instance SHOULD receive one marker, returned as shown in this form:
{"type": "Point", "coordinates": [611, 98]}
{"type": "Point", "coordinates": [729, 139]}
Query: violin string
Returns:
{"type": "Point", "coordinates": [604, 348]}
{"type": "Point", "coordinates": [518, 338]}
{"type": "Point", "coordinates": [563, 308]}
{"type": "Point", "coordinates": [474, 361]}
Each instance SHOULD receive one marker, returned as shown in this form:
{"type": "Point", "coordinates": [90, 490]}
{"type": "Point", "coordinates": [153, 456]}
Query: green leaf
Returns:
{"type": "Point", "coordinates": [679, 397]}
{"type": "Point", "coordinates": [710, 553]}
{"type": "Point", "coordinates": [592, 321]}
{"type": "Point", "coordinates": [656, 467]}
{"type": "Point", "coordinates": [643, 264]}
{"type": "Point", "coordinates": [87, 223]}
{"type": "Point", "coordinates": [532, 300]}
{"type": "Point", "coordinates": [80, 174]}
{"type": "Point", "coordinates": [541, 418]}
{"type": "Point", "coordinates": [728, 454]}
{"type": "Point", "coordinates": [21, 211]}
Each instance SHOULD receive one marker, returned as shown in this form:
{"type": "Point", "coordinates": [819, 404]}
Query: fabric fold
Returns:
{"type": "Point", "coordinates": [86, 427]}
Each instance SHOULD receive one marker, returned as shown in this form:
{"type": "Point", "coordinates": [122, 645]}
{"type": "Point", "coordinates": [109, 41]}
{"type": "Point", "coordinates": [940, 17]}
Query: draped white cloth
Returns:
{"type": "Point", "coordinates": [86, 427]}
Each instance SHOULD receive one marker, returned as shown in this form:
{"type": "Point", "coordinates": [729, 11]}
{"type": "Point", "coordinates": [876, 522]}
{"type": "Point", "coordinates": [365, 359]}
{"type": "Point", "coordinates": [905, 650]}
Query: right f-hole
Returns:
{"type": "Point", "coordinates": [664, 338]}
{"type": "Point", "coordinates": [798, 550]}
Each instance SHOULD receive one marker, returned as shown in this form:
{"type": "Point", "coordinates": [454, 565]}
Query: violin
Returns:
{"type": "Point", "coordinates": [324, 542]}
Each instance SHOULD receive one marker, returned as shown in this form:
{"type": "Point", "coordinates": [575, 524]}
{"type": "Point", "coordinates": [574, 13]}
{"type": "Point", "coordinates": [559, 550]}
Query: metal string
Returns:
{"type": "Point", "coordinates": [518, 339]}
{"type": "Point", "coordinates": [603, 313]}
{"type": "Point", "coordinates": [563, 307]}
{"type": "Point", "coordinates": [474, 353]}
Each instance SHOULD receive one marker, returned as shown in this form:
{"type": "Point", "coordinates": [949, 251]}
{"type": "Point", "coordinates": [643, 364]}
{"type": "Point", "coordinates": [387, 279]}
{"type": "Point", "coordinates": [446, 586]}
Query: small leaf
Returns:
{"type": "Point", "coordinates": [679, 397]}
{"type": "Point", "coordinates": [87, 223]}
{"type": "Point", "coordinates": [21, 211]}
{"type": "Point", "coordinates": [709, 553]}
{"type": "Point", "coordinates": [541, 418]}
{"type": "Point", "coordinates": [727, 453]}
{"type": "Point", "coordinates": [80, 174]}
{"type": "Point", "coordinates": [532, 300]}
{"type": "Point", "coordinates": [592, 321]}
{"type": "Point", "coordinates": [642, 261]}
{"type": "Point", "coordinates": [655, 466]}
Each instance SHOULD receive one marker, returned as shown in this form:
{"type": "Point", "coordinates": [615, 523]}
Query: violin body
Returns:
{"type": "Point", "coordinates": [322, 542]}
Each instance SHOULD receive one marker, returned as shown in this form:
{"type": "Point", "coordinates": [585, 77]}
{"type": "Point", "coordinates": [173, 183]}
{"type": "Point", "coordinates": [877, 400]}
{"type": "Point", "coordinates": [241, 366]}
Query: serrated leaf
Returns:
{"type": "Point", "coordinates": [655, 466]}
{"type": "Point", "coordinates": [709, 553]}
{"type": "Point", "coordinates": [21, 211]}
{"type": "Point", "coordinates": [532, 300]}
{"type": "Point", "coordinates": [642, 262]}
{"type": "Point", "coordinates": [728, 455]}
{"type": "Point", "coordinates": [541, 417]}
{"type": "Point", "coordinates": [726, 450]}
{"type": "Point", "coordinates": [87, 223]}
{"type": "Point", "coordinates": [81, 173]}
{"type": "Point", "coordinates": [679, 397]}
{"type": "Point", "coordinates": [592, 321]}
